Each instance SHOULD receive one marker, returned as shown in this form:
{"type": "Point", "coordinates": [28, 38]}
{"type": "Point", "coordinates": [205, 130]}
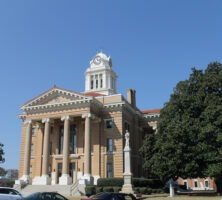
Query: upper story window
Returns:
{"type": "Point", "coordinates": [126, 126]}
{"type": "Point", "coordinates": [101, 83]}
{"type": "Point", "coordinates": [108, 123]}
{"type": "Point", "coordinates": [51, 130]}
{"type": "Point", "coordinates": [72, 146]}
{"type": "Point", "coordinates": [91, 84]}
{"type": "Point", "coordinates": [109, 144]}
{"type": "Point", "coordinates": [50, 148]}
{"type": "Point", "coordinates": [61, 132]}
{"type": "Point", "coordinates": [33, 131]}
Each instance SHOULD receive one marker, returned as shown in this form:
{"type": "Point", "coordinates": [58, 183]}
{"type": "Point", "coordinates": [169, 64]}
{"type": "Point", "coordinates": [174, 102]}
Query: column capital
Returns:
{"type": "Point", "coordinates": [45, 120]}
{"type": "Point", "coordinates": [88, 115]}
{"type": "Point", "coordinates": [29, 121]}
{"type": "Point", "coordinates": [65, 117]}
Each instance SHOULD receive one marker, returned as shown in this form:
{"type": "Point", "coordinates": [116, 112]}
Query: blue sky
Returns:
{"type": "Point", "coordinates": [153, 44]}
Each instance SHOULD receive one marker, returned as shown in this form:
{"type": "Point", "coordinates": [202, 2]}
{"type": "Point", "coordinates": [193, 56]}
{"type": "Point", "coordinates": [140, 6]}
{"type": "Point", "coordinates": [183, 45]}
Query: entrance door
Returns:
{"type": "Point", "coordinates": [59, 174]}
{"type": "Point", "coordinates": [72, 167]}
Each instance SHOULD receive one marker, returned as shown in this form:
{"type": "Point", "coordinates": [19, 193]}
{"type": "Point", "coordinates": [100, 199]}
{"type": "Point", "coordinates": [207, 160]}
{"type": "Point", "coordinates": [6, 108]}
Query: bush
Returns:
{"type": "Point", "coordinates": [90, 190]}
{"type": "Point", "coordinates": [143, 190]}
{"type": "Point", "coordinates": [116, 189]}
{"type": "Point", "coordinates": [107, 189]}
{"type": "Point", "coordinates": [99, 190]}
{"type": "Point", "coordinates": [143, 182]}
{"type": "Point", "coordinates": [157, 191]}
{"type": "Point", "coordinates": [137, 189]}
{"type": "Point", "coordinates": [114, 182]}
{"type": "Point", "coordinates": [6, 183]}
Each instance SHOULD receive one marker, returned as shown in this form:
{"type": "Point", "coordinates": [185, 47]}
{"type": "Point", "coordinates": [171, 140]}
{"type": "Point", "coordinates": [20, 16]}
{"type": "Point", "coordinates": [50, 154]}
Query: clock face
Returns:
{"type": "Point", "coordinates": [97, 60]}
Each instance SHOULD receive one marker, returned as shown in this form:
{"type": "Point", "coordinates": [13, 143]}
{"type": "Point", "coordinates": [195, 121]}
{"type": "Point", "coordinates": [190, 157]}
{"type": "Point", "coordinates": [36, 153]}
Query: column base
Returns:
{"type": "Point", "coordinates": [87, 179]}
{"type": "Point", "coordinates": [65, 179]}
{"type": "Point", "coordinates": [42, 180]}
{"type": "Point", "coordinates": [25, 179]}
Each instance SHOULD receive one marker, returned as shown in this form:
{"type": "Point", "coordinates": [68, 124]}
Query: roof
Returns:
{"type": "Point", "coordinates": [93, 94]}
{"type": "Point", "coordinates": [151, 111]}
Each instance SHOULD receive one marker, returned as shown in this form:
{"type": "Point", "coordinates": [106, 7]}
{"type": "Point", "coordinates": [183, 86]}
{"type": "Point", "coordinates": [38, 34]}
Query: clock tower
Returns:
{"type": "Point", "coordinates": [100, 77]}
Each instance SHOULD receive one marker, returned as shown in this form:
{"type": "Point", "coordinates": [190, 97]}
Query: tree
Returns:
{"type": "Point", "coordinates": [189, 139]}
{"type": "Point", "coordinates": [2, 171]}
{"type": "Point", "coordinates": [2, 159]}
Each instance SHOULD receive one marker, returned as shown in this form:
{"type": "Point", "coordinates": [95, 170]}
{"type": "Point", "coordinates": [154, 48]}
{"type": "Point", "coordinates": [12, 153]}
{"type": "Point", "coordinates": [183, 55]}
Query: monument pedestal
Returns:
{"type": "Point", "coordinates": [127, 186]}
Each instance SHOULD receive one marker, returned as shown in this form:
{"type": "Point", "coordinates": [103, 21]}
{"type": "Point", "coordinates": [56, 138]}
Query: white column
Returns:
{"type": "Point", "coordinates": [45, 179]}
{"type": "Point", "coordinates": [65, 179]}
{"type": "Point", "coordinates": [87, 178]}
{"type": "Point", "coordinates": [28, 139]}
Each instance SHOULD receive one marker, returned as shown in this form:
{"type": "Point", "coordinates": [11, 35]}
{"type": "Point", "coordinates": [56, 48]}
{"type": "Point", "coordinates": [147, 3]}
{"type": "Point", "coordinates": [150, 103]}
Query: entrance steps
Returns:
{"type": "Point", "coordinates": [66, 190]}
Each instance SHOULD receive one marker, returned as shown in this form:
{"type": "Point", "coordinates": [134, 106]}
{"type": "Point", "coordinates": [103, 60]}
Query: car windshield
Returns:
{"type": "Point", "coordinates": [32, 196]}
{"type": "Point", "coordinates": [101, 196]}
{"type": "Point", "coordinates": [8, 191]}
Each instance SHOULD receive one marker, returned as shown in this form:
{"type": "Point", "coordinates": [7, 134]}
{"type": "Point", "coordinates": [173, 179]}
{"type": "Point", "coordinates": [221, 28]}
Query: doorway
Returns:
{"type": "Point", "coordinates": [59, 174]}
{"type": "Point", "coordinates": [72, 169]}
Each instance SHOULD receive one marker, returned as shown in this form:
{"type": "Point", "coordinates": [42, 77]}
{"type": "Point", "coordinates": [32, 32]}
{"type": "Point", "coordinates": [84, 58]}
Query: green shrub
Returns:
{"type": "Point", "coordinates": [143, 190]}
{"type": "Point", "coordinates": [137, 189]}
{"type": "Point", "coordinates": [107, 189]}
{"type": "Point", "coordinates": [116, 189]}
{"type": "Point", "coordinates": [143, 182]}
{"type": "Point", "coordinates": [99, 190]}
{"type": "Point", "coordinates": [6, 183]}
{"type": "Point", "coordinates": [149, 191]}
{"type": "Point", "coordinates": [157, 191]}
{"type": "Point", "coordinates": [90, 190]}
{"type": "Point", "coordinates": [114, 182]}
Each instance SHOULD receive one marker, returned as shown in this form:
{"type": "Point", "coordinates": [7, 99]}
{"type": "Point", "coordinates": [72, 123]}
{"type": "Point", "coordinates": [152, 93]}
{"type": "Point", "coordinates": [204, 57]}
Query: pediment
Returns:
{"type": "Point", "coordinates": [55, 95]}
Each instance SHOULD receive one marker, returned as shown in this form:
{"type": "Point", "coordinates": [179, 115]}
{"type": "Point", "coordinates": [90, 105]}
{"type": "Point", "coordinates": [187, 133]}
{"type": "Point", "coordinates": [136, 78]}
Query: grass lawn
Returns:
{"type": "Point", "coordinates": [165, 197]}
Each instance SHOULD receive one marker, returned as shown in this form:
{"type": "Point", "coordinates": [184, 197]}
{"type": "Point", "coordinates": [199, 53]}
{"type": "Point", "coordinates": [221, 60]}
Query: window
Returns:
{"type": "Point", "coordinates": [72, 147]}
{"type": "Point", "coordinates": [50, 170]}
{"type": "Point", "coordinates": [101, 83]}
{"type": "Point", "coordinates": [109, 144]}
{"type": "Point", "coordinates": [32, 149]}
{"type": "Point", "coordinates": [185, 183]}
{"type": "Point", "coordinates": [206, 183]}
{"type": "Point", "coordinates": [91, 84]}
{"type": "Point", "coordinates": [126, 126]}
{"type": "Point", "coordinates": [195, 184]}
{"type": "Point", "coordinates": [51, 130]}
{"type": "Point", "coordinates": [30, 171]}
{"type": "Point", "coordinates": [61, 132]}
{"type": "Point", "coordinates": [109, 170]}
{"type": "Point", "coordinates": [97, 83]}
{"type": "Point", "coordinates": [50, 148]}
{"type": "Point", "coordinates": [33, 131]}
{"type": "Point", "coordinates": [109, 123]}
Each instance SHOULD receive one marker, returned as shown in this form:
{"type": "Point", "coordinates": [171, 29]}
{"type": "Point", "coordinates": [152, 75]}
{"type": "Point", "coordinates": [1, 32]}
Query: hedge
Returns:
{"type": "Point", "coordinates": [108, 189]}
{"type": "Point", "coordinates": [90, 190]}
{"type": "Point", "coordinates": [118, 182]}
{"type": "Point", "coordinates": [136, 182]}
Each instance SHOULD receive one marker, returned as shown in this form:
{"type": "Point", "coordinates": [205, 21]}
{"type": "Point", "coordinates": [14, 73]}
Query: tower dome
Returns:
{"type": "Point", "coordinates": [100, 77]}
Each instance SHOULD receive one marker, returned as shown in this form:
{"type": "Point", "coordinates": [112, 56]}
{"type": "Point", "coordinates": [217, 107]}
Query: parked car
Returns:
{"type": "Point", "coordinates": [45, 196]}
{"type": "Point", "coordinates": [7, 193]}
{"type": "Point", "coordinates": [111, 196]}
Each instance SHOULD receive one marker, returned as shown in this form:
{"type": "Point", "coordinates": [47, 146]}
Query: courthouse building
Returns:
{"type": "Point", "coordinates": [69, 136]}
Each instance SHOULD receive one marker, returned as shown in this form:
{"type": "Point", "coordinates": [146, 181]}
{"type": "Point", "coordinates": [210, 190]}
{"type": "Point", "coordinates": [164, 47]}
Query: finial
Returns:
{"type": "Point", "coordinates": [101, 49]}
{"type": "Point", "coordinates": [54, 86]}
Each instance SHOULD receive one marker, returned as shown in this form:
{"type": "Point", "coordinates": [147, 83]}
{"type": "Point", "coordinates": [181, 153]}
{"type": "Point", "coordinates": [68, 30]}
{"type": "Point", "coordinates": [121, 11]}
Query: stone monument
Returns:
{"type": "Point", "coordinates": [127, 186]}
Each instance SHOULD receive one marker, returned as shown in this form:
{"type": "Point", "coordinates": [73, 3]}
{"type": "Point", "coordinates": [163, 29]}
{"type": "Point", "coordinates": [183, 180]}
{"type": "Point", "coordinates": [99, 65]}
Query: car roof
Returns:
{"type": "Point", "coordinates": [7, 188]}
